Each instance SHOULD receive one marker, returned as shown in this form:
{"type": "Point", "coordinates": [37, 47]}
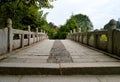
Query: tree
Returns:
{"type": "Point", "coordinates": [23, 12]}
{"type": "Point", "coordinates": [107, 26]}
{"type": "Point", "coordinates": [78, 21]}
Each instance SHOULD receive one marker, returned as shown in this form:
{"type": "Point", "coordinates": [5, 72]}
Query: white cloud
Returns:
{"type": "Point", "coordinates": [99, 11]}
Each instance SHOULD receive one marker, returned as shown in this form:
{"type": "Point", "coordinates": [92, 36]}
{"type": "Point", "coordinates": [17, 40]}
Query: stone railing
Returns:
{"type": "Point", "coordinates": [108, 41]}
{"type": "Point", "coordinates": [11, 39]}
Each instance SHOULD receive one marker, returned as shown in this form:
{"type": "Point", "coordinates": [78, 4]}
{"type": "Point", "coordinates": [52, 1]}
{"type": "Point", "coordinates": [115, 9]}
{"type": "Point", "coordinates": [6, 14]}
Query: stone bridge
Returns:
{"type": "Point", "coordinates": [32, 53]}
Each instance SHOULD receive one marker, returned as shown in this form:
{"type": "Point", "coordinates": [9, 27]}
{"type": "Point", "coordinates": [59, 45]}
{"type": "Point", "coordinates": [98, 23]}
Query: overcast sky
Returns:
{"type": "Point", "coordinates": [99, 11]}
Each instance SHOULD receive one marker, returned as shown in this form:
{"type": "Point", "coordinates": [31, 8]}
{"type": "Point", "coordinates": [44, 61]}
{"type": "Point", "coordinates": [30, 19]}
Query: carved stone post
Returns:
{"type": "Point", "coordinates": [10, 35]}
{"type": "Point", "coordinates": [79, 29]}
{"type": "Point", "coordinates": [70, 31]}
{"type": "Point", "coordinates": [29, 35]}
{"type": "Point", "coordinates": [44, 35]}
{"type": "Point", "coordinates": [33, 37]}
{"type": "Point", "coordinates": [44, 31]}
{"type": "Point", "coordinates": [36, 34]}
{"type": "Point", "coordinates": [82, 36]}
{"type": "Point", "coordinates": [22, 40]}
{"type": "Point", "coordinates": [112, 24]}
{"type": "Point", "coordinates": [88, 37]}
{"type": "Point", "coordinates": [74, 31]}
{"type": "Point", "coordinates": [95, 40]}
{"type": "Point", "coordinates": [41, 30]}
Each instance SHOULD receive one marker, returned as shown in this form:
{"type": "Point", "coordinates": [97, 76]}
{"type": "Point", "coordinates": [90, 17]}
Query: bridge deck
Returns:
{"type": "Point", "coordinates": [34, 60]}
{"type": "Point", "coordinates": [39, 53]}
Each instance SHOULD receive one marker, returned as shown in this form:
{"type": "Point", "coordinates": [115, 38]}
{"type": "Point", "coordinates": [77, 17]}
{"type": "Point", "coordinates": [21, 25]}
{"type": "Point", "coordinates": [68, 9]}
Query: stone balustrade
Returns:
{"type": "Point", "coordinates": [11, 39]}
{"type": "Point", "coordinates": [108, 41]}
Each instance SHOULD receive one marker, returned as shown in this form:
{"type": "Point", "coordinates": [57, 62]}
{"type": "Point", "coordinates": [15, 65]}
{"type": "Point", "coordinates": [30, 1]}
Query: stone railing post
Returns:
{"type": "Point", "coordinates": [38, 37]}
{"type": "Point", "coordinates": [36, 34]}
{"type": "Point", "coordinates": [44, 35]}
{"type": "Point", "coordinates": [41, 35]}
{"type": "Point", "coordinates": [82, 36]}
{"type": "Point", "coordinates": [79, 29]}
{"type": "Point", "coordinates": [33, 37]}
{"type": "Point", "coordinates": [112, 24]}
{"type": "Point", "coordinates": [41, 30]}
{"type": "Point", "coordinates": [74, 30]}
{"type": "Point", "coordinates": [22, 40]}
{"type": "Point", "coordinates": [87, 36]}
{"type": "Point", "coordinates": [95, 40]}
{"type": "Point", "coordinates": [10, 35]}
{"type": "Point", "coordinates": [44, 31]}
{"type": "Point", "coordinates": [73, 34]}
{"type": "Point", "coordinates": [29, 35]}
{"type": "Point", "coordinates": [70, 31]}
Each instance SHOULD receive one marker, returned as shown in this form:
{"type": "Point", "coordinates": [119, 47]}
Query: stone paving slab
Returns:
{"type": "Point", "coordinates": [30, 65]}
{"type": "Point", "coordinates": [33, 60]}
{"type": "Point", "coordinates": [98, 64]}
{"type": "Point", "coordinates": [8, 78]}
{"type": "Point", "coordinates": [37, 53]}
{"type": "Point", "coordinates": [90, 68]}
{"type": "Point", "coordinates": [60, 69]}
{"type": "Point", "coordinates": [81, 54]}
{"type": "Point", "coordinates": [29, 69]}
{"type": "Point", "coordinates": [54, 78]}
{"type": "Point", "coordinates": [59, 53]}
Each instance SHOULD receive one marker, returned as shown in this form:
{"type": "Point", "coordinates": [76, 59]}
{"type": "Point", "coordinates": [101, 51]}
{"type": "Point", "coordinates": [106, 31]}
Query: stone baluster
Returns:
{"type": "Point", "coordinates": [29, 35]}
{"type": "Point", "coordinates": [36, 34]}
{"type": "Point", "coordinates": [41, 30]}
{"type": "Point", "coordinates": [10, 35]}
{"type": "Point", "coordinates": [112, 24]}
{"type": "Point", "coordinates": [74, 30]}
{"type": "Point", "coordinates": [22, 40]}
{"type": "Point", "coordinates": [70, 31]}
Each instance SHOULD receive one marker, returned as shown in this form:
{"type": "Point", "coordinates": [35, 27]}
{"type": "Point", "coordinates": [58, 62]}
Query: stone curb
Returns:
{"type": "Point", "coordinates": [59, 69]}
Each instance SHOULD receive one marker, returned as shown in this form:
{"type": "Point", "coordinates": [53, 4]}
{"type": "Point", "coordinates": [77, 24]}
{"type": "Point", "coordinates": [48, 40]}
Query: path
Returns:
{"type": "Point", "coordinates": [66, 58]}
{"type": "Point", "coordinates": [39, 53]}
{"type": "Point", "coordinates": [73, 78]}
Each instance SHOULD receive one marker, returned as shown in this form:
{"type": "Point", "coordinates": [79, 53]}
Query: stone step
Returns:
{"type": "Point", "coordinates": [107, 68]}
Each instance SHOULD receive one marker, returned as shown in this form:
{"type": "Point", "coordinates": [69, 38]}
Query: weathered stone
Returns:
{"type": "Point", "coordinates": [3, 41]}
{"type": "Point", "coordinates": [59, 54]}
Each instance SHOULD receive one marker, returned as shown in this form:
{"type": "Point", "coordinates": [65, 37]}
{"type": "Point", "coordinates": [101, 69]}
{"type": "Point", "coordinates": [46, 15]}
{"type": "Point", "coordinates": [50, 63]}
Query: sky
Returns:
{"type": "Point", "coordinates": [100, 12]}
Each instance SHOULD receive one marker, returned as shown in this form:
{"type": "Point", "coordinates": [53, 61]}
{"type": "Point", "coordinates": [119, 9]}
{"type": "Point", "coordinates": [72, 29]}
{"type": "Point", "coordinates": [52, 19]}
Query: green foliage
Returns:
{"type": "Point", "coordinates": [23, 13]}
{"type": "Point", "coordinates": [62, 35]}
{"type": "Point", "coordinates": [77, 22]}
{"type": "Point", "coordinates": [53, 31]}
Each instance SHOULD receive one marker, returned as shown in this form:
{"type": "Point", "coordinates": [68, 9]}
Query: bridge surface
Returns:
{"type": "Point", "coordinates": [59, 57]}
{"type": "Point", "coordinates": [41, 52]}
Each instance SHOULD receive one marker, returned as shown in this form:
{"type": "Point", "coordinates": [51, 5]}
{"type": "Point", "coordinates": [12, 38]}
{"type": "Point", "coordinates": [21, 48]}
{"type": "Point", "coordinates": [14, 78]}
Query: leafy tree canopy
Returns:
{"type": "Point", "coordinates": [23, 12]}
{"type": "Point", "coordinates": [78, 21]}
{"type": "Point", "coordinates": [107, 26]}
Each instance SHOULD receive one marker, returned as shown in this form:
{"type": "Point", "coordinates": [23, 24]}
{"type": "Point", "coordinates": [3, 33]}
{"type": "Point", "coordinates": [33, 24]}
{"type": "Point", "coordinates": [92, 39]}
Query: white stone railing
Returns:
{"type": "Point", "coordinates": [108, 41]}
{"type": "Point", "coordinates": [11, 39]}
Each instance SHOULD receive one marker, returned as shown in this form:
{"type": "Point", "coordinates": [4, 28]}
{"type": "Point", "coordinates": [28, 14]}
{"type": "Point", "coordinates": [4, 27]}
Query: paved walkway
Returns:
{"type": "Point", "coordinates": [74, 78]}
{"type": "Point", "coordinates": [81, 54]}
{"type": "Point", "coordinates": [59, 54]}
{"type": "Point", "coordinates": [34, 60]}
{"type": "Point", "coordinates": [39, 53]}
{"type": "Point", "coordinates": [35, 54]}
